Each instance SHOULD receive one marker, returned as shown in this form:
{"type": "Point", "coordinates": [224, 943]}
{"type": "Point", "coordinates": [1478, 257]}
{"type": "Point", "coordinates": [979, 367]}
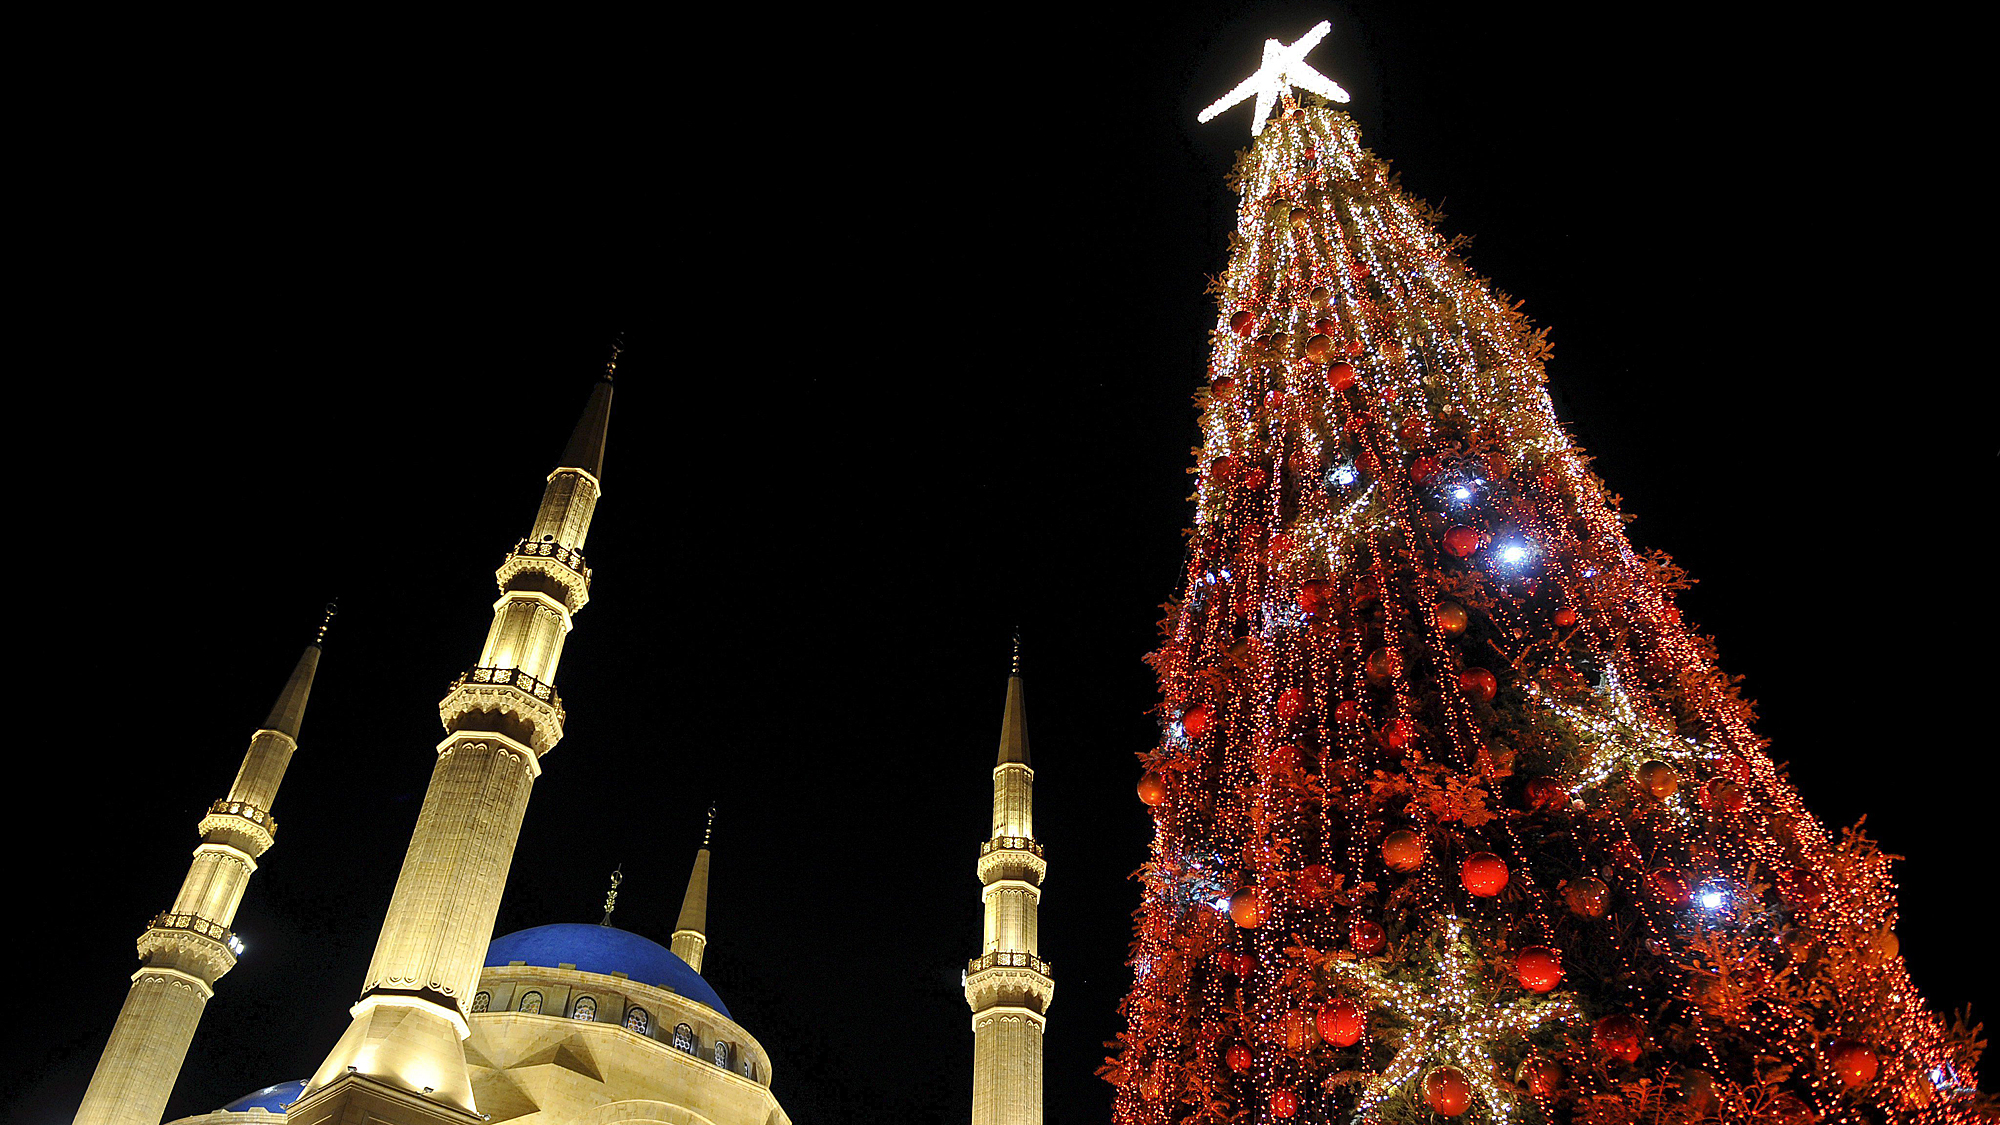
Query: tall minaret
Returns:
{"type": "Point", "coordinates": [1008, 985]}
{"type": "Point", "coordinates": [401, 1060]}
{"type": "Point", "coordinates": [185, 950]}
{"type": "Point", "coordinates": [691, 932]}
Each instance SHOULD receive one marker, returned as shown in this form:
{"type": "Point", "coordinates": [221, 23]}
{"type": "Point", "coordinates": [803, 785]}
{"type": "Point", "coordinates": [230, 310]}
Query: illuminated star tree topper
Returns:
{"type": "Point", "coordinates": [1283, 68]}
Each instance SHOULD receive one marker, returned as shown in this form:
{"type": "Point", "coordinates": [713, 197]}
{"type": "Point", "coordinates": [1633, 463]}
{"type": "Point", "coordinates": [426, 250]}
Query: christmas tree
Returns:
{"type": "Point", "coordinates": [1454, 817]}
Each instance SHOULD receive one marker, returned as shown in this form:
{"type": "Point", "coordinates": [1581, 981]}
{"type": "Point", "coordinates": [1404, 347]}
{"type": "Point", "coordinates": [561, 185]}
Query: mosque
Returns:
{"type": "Point", "coordinates": [570, 1023]}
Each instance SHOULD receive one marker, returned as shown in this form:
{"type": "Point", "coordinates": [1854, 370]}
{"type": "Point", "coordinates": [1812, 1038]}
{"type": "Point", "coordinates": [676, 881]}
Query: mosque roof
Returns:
{"type": "Point", "coordinates": [603, 949]}
{"type": "Point", "coordinates": [273, 1098]}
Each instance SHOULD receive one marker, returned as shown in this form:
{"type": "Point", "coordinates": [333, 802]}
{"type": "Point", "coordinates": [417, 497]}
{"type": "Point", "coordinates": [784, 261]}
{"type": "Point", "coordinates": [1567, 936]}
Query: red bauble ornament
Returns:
{"type": "Point", "coordinates": [1291, 703]}
{"type": "Point", "coordinates": [1297, 1032]}
{"type": "Point", "coordinates": [1484, 874]}
{"type": "Point", "coordinates": [1347, 711]}
{"type": "Point", "coordinates": [1381, 665]}
{"type": "Point", "coordinates": [1545, 793]}
{"type": "Point", "coordinates": [1423, 468]}
{"type": "Point", "coordinates": [1244, 322]}
{"type": "Point", "coordinates": [1853, 1061]}
{"type": "Point", "coordinates": [1365, 460]}
{"type": "Point", "coordinates": [1281, 543]}
{"type": "Point", "coordinates": [1238, 1058]}
{"type": "Point", "coordinates": [1452, 618]}
{"type": "Point", "coordinates": [1254, 477]}
{"type": "Point", "coordinates": [1801, 891]}
{"type": "Point", "coordinates": [1658, 779]}
{"type": "Point", "coordinates": [1619, 1037]}
{"type": "Point", "coordinates": [1538, 968]}
{"type": "Point", "coordinates": [1462, 541]}
{"type": "Point", "coordinates": [1283, 1103]}
{"type": "Point", "coordinates": [1153, 789]}
{"type": "Point", "coordinates": [1340, 376]}
{"type": "Point", "coordinates": [1196, 719]}
{"type": "Point", "coordinates": [1320, 295]}
{"type": "Point", "coordinates": [1284, 759]}
{"type": "Point", "coordinates": [1324, 325]}
{"type": "Point", "coordinates": [1249, 907]}
{"type": "Point", "coordinates": [1588, 897]}
{"type": "Point", "coordinates": [1313, 595]}
{"type": "Point", "coordinates": [1224, 961]}
{"type": "Point", "coordinates": [1318, 347]}
{"type": "Point", "coordinates": [1541, 1076]}
{"type": "Point", "coordinates": [1396, 733]}
{"type": "Point", "coordinates": [1669, 886]}
{"type": "Point", "coordinates": [1340, 1023]}
{"type": "Point", "coordinates": [1403, 851]}
{"type": "Point", "coordinates": [1478, 683]}
{"type": "Point", "coordinates": [1314, 878]}
{"type": "Point", "coordinates": [1447, 1090]}
{"type": "Point", "coordinates": [1565, 618]}
{"type": "Point", "coordinates": [1724, 796]}
{"type": "Point", "coordinates": [1222, 470]}
{"type": "Point", "coordinates": [1244, 964]}
{"type": "Point", "coordinates": [1367, 937]}
{"type": "Point", "coordinates": [1354, 347]}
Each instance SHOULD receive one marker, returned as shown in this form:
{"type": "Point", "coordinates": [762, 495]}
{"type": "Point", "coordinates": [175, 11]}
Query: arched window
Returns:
{"type": "Point", "coordinates": [637, 1020]}
{"type": "Point", "coordinates": [585, 1009]}
{"type": "Point", "coordinates": [684, 1039]}
{"type": "Point", "coordinates": [531, 1003]}
{"type": "Point", "coordinates": [481, 1000]}
{"type": "Point", "coordinates": [749, 1068]}
{"type": "Point", "coordinates": [722, 1054]}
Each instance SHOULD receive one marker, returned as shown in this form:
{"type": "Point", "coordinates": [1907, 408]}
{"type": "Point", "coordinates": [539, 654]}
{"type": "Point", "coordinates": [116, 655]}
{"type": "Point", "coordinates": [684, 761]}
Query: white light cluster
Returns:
{"type": "Point", "coordinates": [1283, 68]}
{"type": "Point", "coordinates": [1450, 1020]}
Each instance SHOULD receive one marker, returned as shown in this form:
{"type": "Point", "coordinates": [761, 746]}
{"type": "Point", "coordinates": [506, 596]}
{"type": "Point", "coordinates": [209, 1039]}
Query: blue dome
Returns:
{"type": "Point", "coordinates": [273, 1098]}
{"type": "Point", "coordinates": [603, 949]}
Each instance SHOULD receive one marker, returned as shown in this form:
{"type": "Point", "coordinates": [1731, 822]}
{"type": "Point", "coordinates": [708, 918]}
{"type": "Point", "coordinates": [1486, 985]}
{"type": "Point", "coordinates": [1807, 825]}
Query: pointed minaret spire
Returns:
{"type": "Point", "coordinates": [501, 719]}
{"type": "Point", "coordinates": [691, 932]}
{"type": "Point", "coordinates": [586, 443]}
{"type": "Point", "coordinates": [1014, 717]}
{"type": "Point", "coordinates": [290, 709]}
{"type": "Point", "coordinates": [611, 900]}
{"type": "Point", "coordinates": [187, 949]}
{"type": "Point", "coordinates": [1008, 986]}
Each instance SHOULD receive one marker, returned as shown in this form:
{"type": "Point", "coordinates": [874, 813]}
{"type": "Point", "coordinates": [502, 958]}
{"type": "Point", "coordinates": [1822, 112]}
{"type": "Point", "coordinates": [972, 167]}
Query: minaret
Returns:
{"type": "Point", "coordinates": [1008, 985]}
{"type": "Point", "coordinates": [185, 950]}
{"type": "Point", "coordinates": [691, 932]}
{"type": "Point", "coordinates": [401, 1060]}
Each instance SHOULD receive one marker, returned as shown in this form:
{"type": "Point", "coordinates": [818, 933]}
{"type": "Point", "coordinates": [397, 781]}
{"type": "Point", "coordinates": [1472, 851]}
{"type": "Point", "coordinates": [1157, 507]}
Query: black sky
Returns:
{"type": "Point", "coordinates": [913, 312]}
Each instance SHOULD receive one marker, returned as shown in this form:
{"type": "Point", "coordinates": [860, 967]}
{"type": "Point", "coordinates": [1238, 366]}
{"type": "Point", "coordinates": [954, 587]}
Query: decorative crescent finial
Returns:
{"type": "Point", "coordinates": [332, 608]}
{"type": "Point", "coordinates": [709, 830]}
{"type": "Point", "coordinates": [611, 900]}
{"type": "Point", "coordinates": [1283, 68]}
{"type": "Point", "coordinates": [617, 349]}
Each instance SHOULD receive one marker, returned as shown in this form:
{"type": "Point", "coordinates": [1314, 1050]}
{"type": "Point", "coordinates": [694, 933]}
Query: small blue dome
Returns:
{"type": "Point", "coordinates": [273, 1098]}
{"type": "Point", "coordinates": [603, 949]}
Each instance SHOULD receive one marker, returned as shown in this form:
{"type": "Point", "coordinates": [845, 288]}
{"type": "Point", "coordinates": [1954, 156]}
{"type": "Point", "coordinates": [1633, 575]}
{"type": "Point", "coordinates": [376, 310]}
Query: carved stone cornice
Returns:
{"type": "Point", "coordinates": [1002, 852]}
{"type": "Point", "coordinates": [559, 564]}
{"type": "Point", "coordinates": [241, 819]}
{"type": "Point", "coordinates": [189, 943]}
{"type": "Point", "coordinates": [508, 691]}
{"type": "Point", "coordinates": [1008, 978]}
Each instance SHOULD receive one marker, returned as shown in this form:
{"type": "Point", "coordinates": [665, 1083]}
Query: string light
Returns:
{"type": "Point", "coordinates": [1719, 870]}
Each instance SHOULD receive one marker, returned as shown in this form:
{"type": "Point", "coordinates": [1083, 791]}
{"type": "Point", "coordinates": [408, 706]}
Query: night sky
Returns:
{"type": "Point", "coordinates": [912, 316]}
